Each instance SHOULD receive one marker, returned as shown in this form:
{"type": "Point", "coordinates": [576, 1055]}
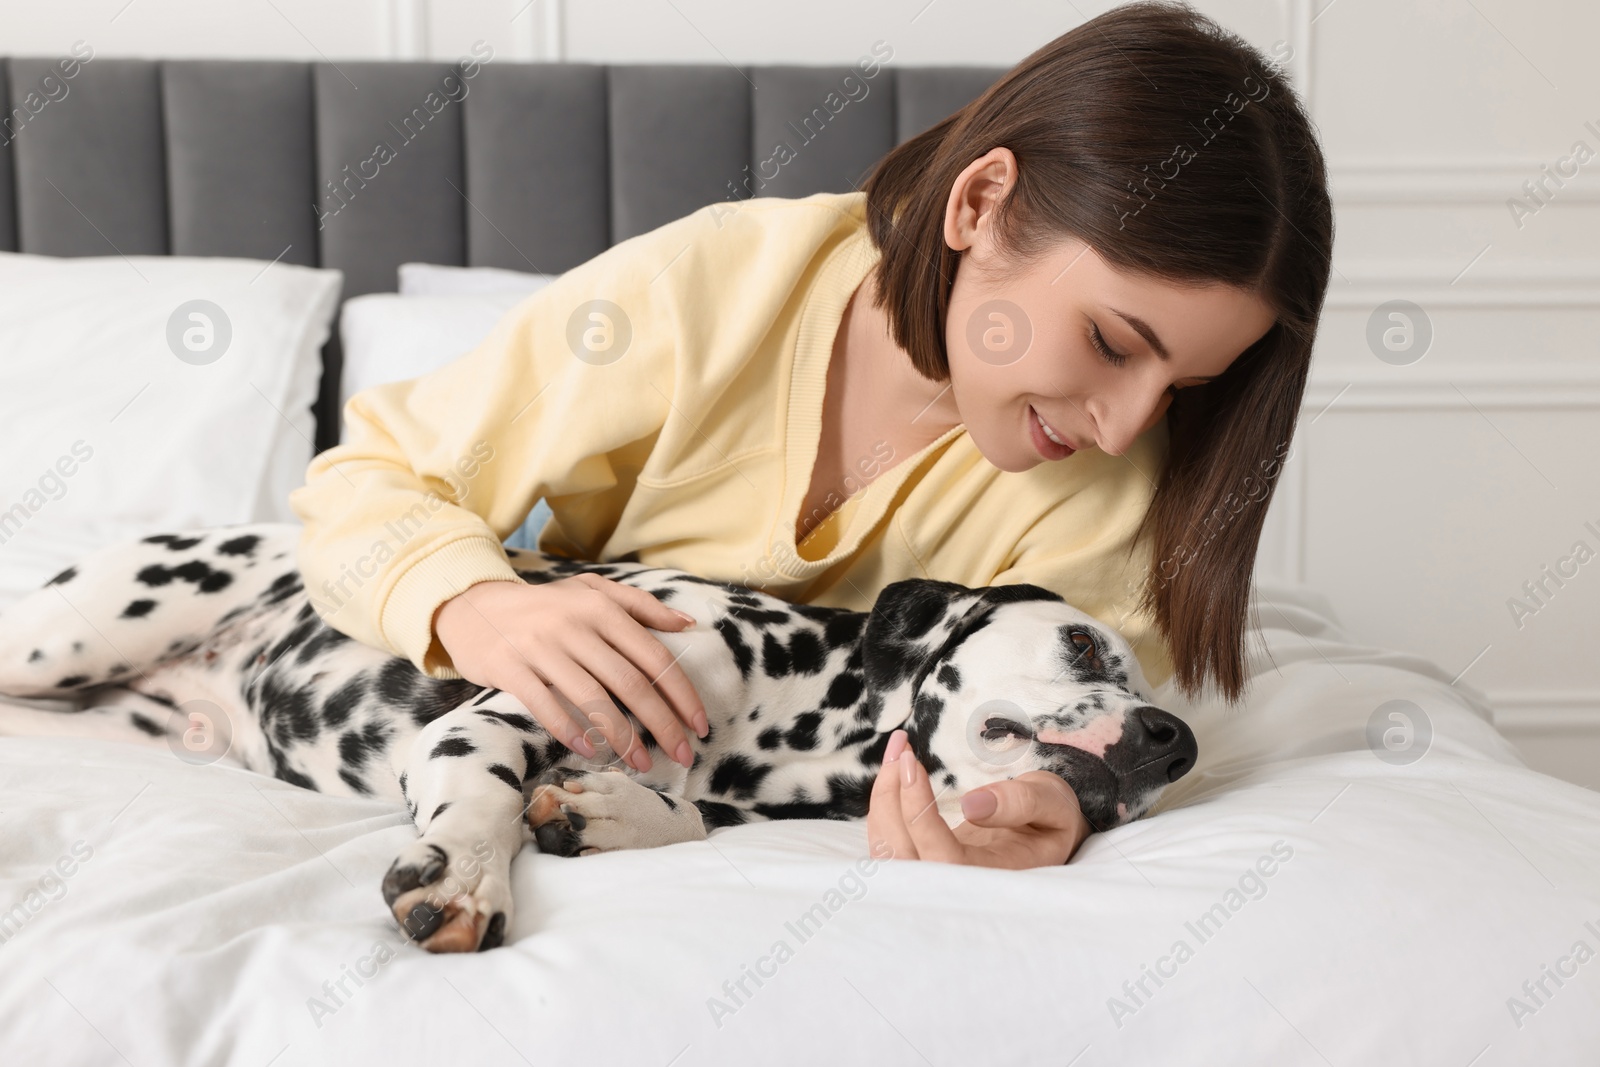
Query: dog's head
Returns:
{"type": "Point", "coordinates": [990, 683]}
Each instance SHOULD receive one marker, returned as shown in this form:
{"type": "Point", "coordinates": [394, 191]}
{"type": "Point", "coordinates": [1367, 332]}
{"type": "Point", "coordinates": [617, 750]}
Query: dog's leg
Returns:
{"type": "Point", "coordinates": [463, 777]}
{"type": "Point", "coordinates": [132, 604]}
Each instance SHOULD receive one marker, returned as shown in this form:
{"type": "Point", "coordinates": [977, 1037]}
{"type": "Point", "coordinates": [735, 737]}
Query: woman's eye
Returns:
{"type": "Point", "coordinates": [1116, 359]}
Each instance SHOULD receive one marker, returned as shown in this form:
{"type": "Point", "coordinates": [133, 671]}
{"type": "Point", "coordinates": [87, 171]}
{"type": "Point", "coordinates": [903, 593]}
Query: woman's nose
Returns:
{"type": "Point", "coordinates": [1128, 415]}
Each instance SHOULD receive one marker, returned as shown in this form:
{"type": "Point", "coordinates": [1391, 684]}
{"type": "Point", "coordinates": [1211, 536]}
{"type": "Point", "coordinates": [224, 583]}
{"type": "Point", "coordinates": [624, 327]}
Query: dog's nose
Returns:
{"type": "Point", "coordinates": [1164, 743]}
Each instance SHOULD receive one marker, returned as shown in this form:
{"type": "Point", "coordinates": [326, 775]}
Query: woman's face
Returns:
{"type": "Point", "coordinates": [1025, 347]}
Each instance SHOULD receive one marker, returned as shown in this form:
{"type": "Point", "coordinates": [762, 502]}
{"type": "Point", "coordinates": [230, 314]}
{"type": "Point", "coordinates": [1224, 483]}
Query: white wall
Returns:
{"type": "Point", "coordinates": [1422, 496]}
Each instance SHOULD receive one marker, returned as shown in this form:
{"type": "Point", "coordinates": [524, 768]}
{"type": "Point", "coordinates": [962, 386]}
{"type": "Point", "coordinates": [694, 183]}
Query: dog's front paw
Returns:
{"type": "Point", "coordinates": [450, 898]}
{"type": "Point", "coordinates": [584, 812]}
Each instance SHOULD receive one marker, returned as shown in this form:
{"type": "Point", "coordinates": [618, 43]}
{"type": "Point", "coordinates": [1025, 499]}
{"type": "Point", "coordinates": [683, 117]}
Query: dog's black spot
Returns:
{"type": "Point", "coordinates": [282, 770]}
{"type": "Point", "coordinates": [668, 801]}
{"type": "Point", "coordinates": [336, 710]}
{"type": "Point", "coordinates": [847, 798]}
{"type": "Point", "coordinates": [148, 725]}
{"type": "Point", "coordinates": [506, 775]}
{"type": "Point", "coordinates": [63, 576]}
{"type": "Point", "coordinates": [770, 738]}
{"type": "Point", "coordinates": [323, 638]}
{"type": "Point", "coordinates": [198, 573]}
{"type": "Point", "coordinates": [757, 616]}
{"type": "Point", "coordinates": [524, 723]}
{"type": "Point", "coordinates": [485, 695]}
{"type": "Point", "coordinates": [738, 775]}
{"type": "Point", "coordinates": [533, 764]}
{"type": "Point", "coordinates": [36, 655]}
{"type": "Point", "coordinates": [774, 657]}
{"type": "Point", "coordinates": [353, 780]}
{"type": "Point", "coordinates": [715, 814]}
{"type": "Point", "coordinates": [440, 810]}
{"type": "Point", "coordinates": [453, 746]}
{"type": "Point", "coordinates": [743, 657]}
{"type": "Point", "coordinates": [949, 676]}
{"type": "Point", "coordinates": [844, 690]}
{"type": "Point", "coordinates": [803, 734]}
{"type": "Point", "coordinates": [138, 609]}
{"type": "Point", "coordinates": [243, 545]}
{"type": "Point", "coordinates": [72, 680]}
{"type": "Point", "coordinates": [806, 653]}
{"type": "Point", "coordinates": [287, 708]}
{"type": "Point", "coordinates": [174, 542]}
{"type": "Point", "coordinates": [358, 746]}
{"type": "Point", "coordinates": [282, 588]}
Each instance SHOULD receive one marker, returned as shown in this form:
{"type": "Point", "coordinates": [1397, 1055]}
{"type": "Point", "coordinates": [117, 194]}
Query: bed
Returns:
{"type": "Point", "coordinates": [1360, 869]}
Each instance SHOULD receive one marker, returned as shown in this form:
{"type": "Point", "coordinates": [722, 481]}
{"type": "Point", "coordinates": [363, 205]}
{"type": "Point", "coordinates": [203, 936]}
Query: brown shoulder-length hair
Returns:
{"type": "Point", "coordinates": [1173, 148]}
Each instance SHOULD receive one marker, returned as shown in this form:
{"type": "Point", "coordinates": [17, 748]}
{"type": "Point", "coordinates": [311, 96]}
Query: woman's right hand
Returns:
{"type": "Point", "coordinates": [584, 635]}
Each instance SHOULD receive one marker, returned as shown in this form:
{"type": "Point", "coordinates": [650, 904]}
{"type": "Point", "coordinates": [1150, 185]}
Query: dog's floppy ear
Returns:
{"type": "Point", "coordinates": [907, 627]}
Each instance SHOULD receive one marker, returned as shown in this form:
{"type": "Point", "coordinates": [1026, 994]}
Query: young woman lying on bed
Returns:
{"type": "Point", "coordinates": [1052, 340]}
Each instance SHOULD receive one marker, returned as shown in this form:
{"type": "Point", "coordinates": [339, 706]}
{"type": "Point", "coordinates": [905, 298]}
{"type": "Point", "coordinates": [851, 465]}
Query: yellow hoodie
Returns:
{"type": "Point", "coordinates": [665, 399]}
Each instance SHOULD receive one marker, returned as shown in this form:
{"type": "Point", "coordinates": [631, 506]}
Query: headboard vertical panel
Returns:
{"type": "Point", "coordinates": [537, 161]}
{"type": "Point", "coordinates": [387, 169]}
{"type": "Point", "coordinates": [925, 96]}
{"type": "Point", "coordinates": [240, 159]}
{"type": "Point", "coordinates": [680, 139]}
{"type": "Point", "coordinates": [90, 168]}
{"type": "Point", "coordinates": [801, 144]}
{"type": "Point", "coordinates": [9, 127]}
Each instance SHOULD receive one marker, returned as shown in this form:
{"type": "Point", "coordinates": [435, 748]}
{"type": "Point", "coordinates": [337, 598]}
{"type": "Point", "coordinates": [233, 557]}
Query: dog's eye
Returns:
{"type": "Point", "coordinates": [1083, 643]}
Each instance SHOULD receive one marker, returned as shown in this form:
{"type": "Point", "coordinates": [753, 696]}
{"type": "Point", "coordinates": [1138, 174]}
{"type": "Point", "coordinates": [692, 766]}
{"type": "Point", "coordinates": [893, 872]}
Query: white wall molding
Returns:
{"type": "Point", "coordinates": [1542, 712]}
{"type": "Point", "coordinates": [1458, 179]}
{"type": "Point", "coordinates": [539, 30]}
{"type": "Point", "coordinates": [407, 29]}
{"type": "Point", "coordinates": [1299, 32]}
{"type": "Point", "coordinates": [1548, 386]}
{"type": "Point", "coordinates": [1481, 283]}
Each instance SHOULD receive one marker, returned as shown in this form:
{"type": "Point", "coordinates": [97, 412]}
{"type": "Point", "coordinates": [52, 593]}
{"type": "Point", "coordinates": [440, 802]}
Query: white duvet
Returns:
{"type": "Point", "coordinates": [1295, 900]}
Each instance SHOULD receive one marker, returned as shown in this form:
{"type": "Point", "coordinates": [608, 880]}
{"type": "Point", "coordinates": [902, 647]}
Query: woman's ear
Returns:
{"type": "Point", "coordinates": [975, 194]}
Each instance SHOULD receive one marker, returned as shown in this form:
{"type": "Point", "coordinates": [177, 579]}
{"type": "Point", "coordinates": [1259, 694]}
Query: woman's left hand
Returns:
{"type": "Point", "coordinates": [1035, 821]}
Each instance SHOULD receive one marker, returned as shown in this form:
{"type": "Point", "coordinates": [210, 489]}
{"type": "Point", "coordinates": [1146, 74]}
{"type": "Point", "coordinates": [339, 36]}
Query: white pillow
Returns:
{"type": "Point", "coordinates": [430, 279]}
{"type": "Point", "coordinates": [126, 408]}
{"type": "Point", "coordinates": [389, 338]}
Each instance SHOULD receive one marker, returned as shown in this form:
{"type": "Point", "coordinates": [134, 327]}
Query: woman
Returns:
{"type": "Point", "coordinates": [1055, 339]}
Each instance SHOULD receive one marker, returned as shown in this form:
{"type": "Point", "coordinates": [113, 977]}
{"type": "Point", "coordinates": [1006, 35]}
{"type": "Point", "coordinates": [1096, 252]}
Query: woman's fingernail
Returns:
{"type": "Point", "coordinates": [641, 760]}
{"type": "Point", "coordinates": [897, 744]}
{"type": "Point", "coordinates": [581, 746]}
{"type": "Point", "coordinates": [685, 754]}
{"type": "Point", "coordinates": [980, 804]}
{"type": "Point", "coordinates": [701, 726]}
{"type": "Point", "coordinates": [688, 620]}
{"type": "Point", "coordinates": [908, 767]}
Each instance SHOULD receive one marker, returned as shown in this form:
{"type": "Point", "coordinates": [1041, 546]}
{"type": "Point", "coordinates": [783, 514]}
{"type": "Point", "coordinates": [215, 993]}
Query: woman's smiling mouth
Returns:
{"type": "Point", "coordinates": [1046, 441]}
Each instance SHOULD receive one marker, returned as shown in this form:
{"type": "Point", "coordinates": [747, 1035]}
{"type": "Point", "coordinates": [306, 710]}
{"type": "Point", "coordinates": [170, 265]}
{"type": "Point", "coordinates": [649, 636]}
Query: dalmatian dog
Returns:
{"type": "Point", "coordinates": [212, 630]}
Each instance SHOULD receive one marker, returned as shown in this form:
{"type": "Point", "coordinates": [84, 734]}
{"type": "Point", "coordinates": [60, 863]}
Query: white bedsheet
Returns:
{"type": "Point", "coordinates": [1406, 906]}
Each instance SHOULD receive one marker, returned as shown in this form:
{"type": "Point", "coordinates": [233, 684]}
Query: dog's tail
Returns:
{"type": "Point", "coordinates": [128, 606]}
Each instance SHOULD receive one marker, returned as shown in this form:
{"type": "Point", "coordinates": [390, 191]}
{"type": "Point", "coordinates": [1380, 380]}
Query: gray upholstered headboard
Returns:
{"type": "Point", "coordinates": [535, 167]}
